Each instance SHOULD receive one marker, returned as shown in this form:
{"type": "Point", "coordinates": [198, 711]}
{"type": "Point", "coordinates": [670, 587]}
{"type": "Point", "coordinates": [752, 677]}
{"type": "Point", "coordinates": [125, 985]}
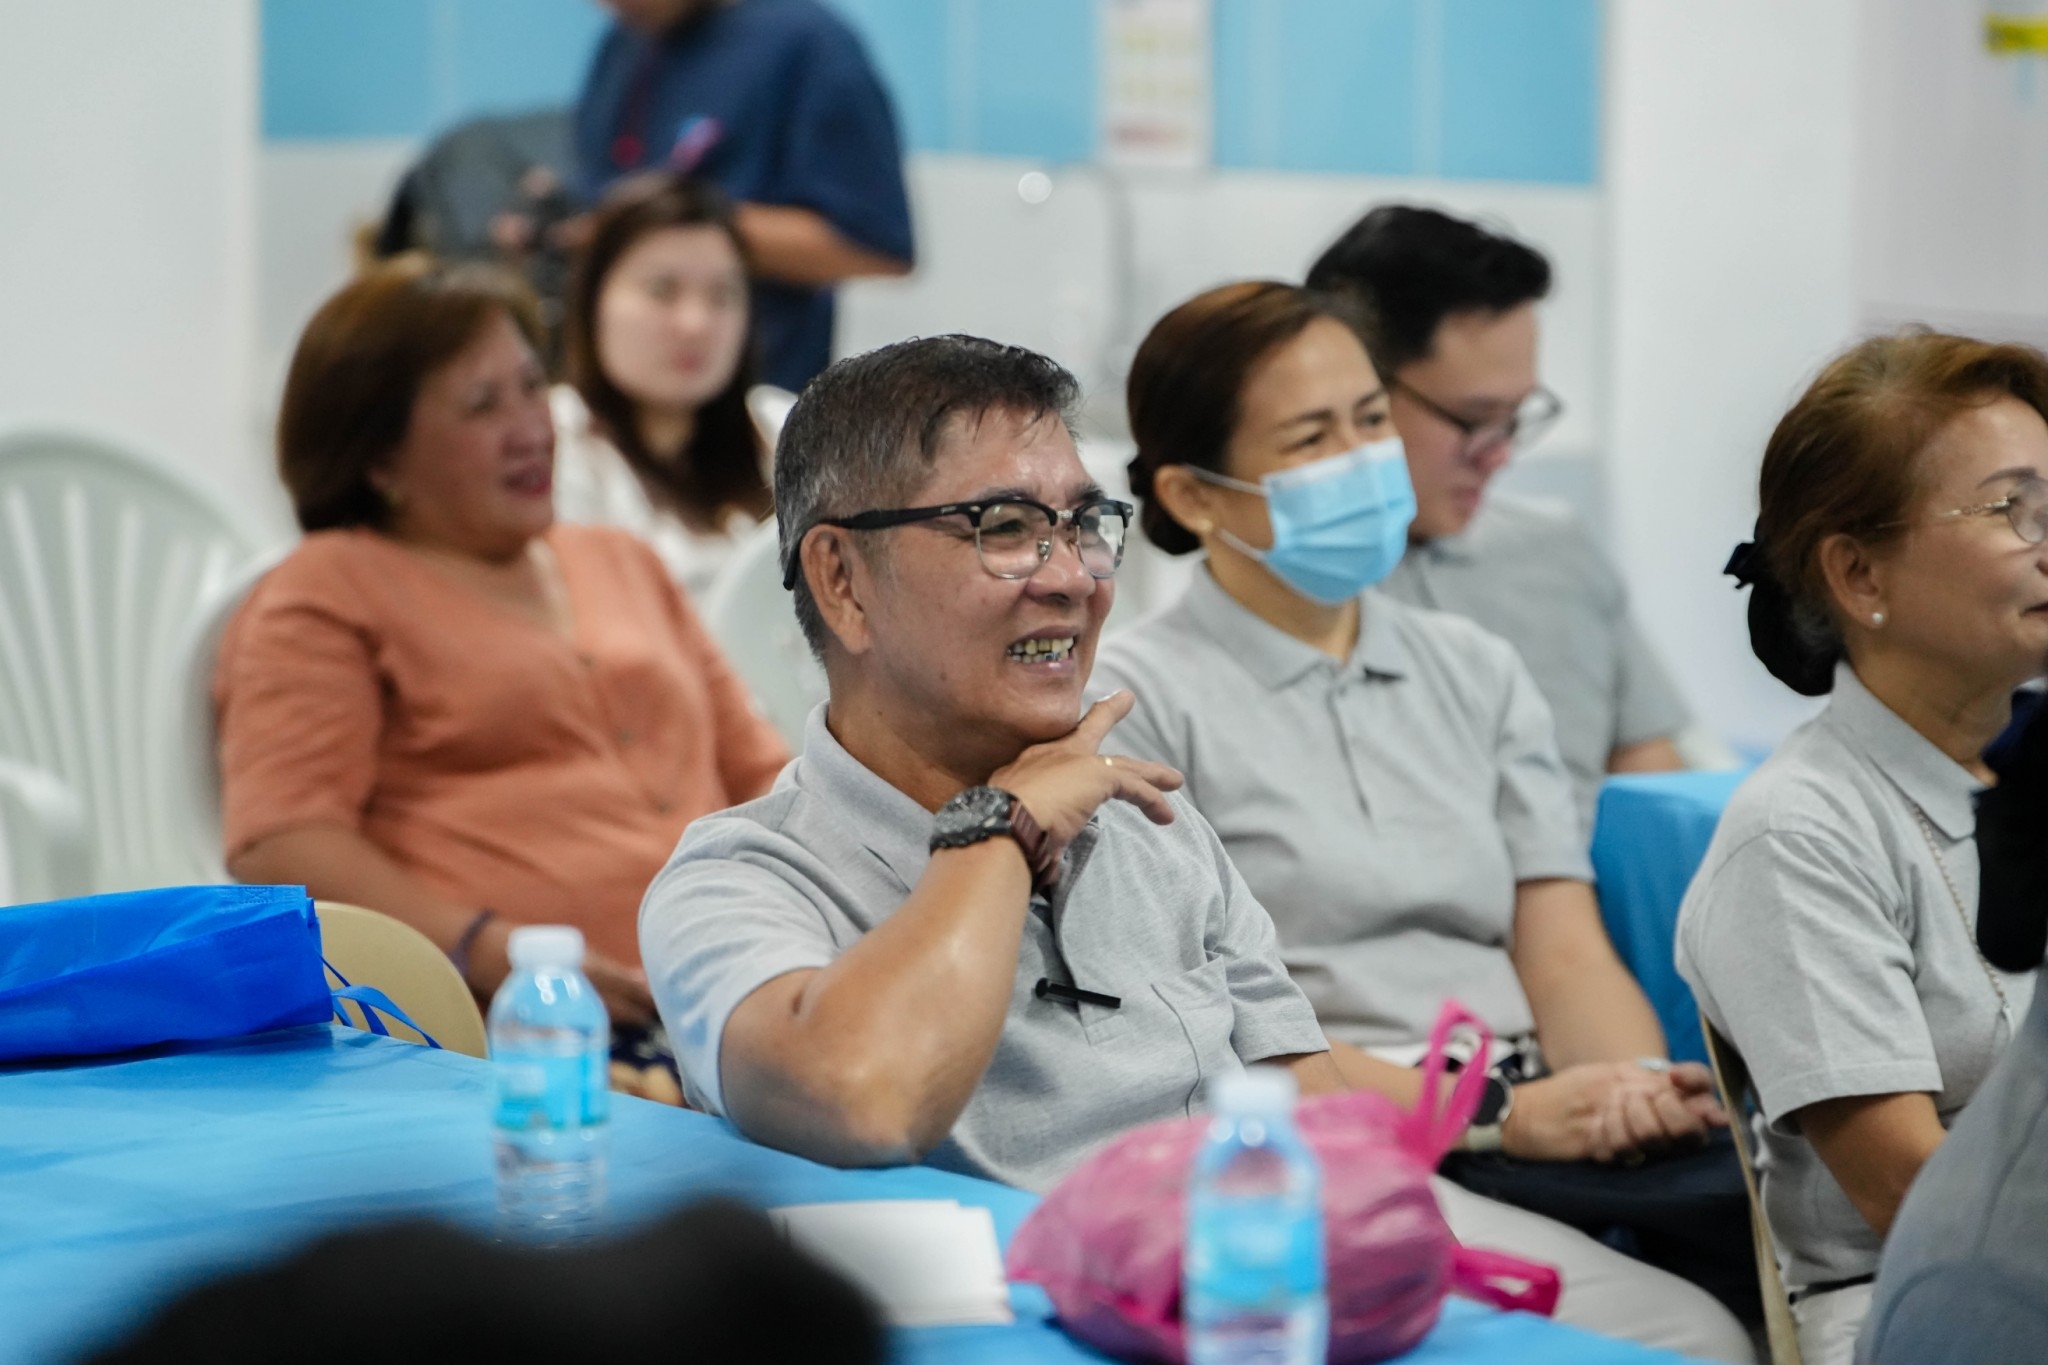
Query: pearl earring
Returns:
{"type": "Point", "coordinates": [1877, 618]}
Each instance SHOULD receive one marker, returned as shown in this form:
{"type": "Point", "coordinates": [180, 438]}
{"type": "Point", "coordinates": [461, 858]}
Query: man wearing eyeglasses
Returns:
{"type": "Point", "coordinates": [1452, 325]}
{"type": "Point", "coordinates": [957, 931]}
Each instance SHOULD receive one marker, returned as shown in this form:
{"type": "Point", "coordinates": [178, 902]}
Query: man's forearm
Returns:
{"type": "Point", "coordinates": [871, 1059]}
{"type": "Point", "coordinates": [800, 246]}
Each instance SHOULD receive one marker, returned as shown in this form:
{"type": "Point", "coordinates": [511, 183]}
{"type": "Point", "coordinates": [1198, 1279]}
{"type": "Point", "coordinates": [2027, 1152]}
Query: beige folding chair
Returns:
{"type": "Point", "coordinates": [376, 950]}
{"type": "Point", "coordinates": [1731, 1074]}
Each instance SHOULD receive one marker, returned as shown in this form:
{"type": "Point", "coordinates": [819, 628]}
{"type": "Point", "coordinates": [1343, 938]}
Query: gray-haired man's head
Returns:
{"type": "Point", "coordinates": [868, 431]}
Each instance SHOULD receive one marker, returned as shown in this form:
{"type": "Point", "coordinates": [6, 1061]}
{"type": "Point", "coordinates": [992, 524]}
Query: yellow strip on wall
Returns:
{"type": "Point", "coordinates": [2007, 33]}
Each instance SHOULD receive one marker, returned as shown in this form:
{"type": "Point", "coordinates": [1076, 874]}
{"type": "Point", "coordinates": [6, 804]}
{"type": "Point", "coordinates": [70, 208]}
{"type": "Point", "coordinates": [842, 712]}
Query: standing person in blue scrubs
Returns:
{"type": "Point", "coordinates": [775, 101]}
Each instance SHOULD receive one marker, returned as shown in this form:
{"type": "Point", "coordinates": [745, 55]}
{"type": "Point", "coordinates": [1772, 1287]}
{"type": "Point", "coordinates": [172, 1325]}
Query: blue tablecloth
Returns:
{"type": "Point", "coordinates": [1650, 833]}
{"type": "Point", "coordinates": [122, 1180]}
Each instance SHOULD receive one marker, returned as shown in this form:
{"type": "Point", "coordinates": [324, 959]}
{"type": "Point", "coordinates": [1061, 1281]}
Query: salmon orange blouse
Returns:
{"type": "Point", "coordinates": [498, 762]}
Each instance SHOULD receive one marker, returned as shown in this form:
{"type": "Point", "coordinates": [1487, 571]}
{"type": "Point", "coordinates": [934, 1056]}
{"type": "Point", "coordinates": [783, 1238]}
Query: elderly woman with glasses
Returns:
{"type": "Point", "coordinates": [1450, 319]}
{"type": "Point", "coordinates": [1831, 934]}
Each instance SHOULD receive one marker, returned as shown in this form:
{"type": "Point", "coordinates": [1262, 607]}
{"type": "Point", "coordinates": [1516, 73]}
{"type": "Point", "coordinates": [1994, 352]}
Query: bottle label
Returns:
{"type": "Point", "coordinates": [538, 1091]}
{"type": "Point", "coordinates": [1251, 1253]}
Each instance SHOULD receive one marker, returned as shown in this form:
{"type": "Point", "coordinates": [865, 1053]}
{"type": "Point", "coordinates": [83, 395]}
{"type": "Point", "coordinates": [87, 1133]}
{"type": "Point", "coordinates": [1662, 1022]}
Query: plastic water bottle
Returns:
{"type": "Point", "coordinates": [551, 1052]}
{"type": "Point", "coordinates": [1255, 1292]}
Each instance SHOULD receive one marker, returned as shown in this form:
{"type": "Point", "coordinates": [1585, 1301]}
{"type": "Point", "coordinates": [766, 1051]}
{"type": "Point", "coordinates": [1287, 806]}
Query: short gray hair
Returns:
{"type": "Point", "coordinates": [868, 430]}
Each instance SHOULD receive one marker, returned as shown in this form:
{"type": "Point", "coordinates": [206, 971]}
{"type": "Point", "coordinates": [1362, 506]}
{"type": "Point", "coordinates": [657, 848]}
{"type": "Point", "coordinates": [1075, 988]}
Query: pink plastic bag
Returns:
{"type": "Point", "coordinates": [1106, 1243]}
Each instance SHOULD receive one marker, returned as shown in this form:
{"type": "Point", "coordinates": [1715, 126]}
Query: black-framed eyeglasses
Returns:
{"type": "Point", "coordinates": [1012, 536]}
{"type": "Point", "coordinates": [2026, 507]}
{"type": "Point", "coordinates": [1526, 425]}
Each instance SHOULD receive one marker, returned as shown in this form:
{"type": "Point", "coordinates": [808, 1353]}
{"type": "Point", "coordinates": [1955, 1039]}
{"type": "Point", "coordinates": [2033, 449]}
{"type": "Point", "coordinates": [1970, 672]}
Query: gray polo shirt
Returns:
{"type": "Point", "coordinates": [1382, 808]}
{"type": "Point", "coordinates": [1528, 571]}
{"type": "Point", "coordinates": [1820, 936]}
{"type": "Point", "coordinates": [1965, 1277]}
{"type": "Point", "coordinates": [1155, 915]}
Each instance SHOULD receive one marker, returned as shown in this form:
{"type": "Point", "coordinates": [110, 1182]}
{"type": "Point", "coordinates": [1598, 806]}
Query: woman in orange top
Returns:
{"type": "Point", "coordinates": [442, 705]}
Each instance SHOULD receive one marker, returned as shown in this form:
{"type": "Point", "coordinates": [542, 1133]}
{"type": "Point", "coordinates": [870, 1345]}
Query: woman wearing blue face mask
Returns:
{"type": "Point", "coordinates": [1384, 776]}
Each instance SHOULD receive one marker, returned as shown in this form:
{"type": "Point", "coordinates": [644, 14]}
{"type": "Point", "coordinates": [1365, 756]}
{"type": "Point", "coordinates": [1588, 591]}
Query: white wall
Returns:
{"type": "Point", "coordinates": [1732, 199]}
{"type": "Point", "coordinates": [311, 199]}
{"type": "Point", "coordinates": [1955, 172]}
{"type": "Point", "coordinates": [127, 229]}
{"type": "Point", "coordinates": [1084, 274]}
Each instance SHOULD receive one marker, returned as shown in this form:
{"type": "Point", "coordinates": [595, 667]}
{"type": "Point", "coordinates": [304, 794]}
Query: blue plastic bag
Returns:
{"type": "Point", "coordinates": [104, 974]}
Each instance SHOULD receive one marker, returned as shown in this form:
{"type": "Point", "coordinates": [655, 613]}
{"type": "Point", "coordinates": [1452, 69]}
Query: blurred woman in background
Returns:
{"type": "Point", "coordinates": [443, 705]}
{"type": "Point", "coordinates": [1900, 568]}
{"type": "Point", "coordinates": [654, 431]}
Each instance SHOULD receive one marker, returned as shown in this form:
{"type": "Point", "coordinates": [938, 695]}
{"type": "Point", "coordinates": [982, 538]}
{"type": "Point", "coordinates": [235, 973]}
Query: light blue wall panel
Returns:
{"type": "Point", "coordinates": [410, 68]}
{"type": "Point", "coordinates": [1463, 89]}
{"type": "Point", "coordinates": [1032, 75]}
{"type": "Point", "coordinates": [522, 54]}
{"type": "Point", "coordinates": [347, 68]}
{"type": "Point", "coordinates": [908, 41]}
{"type": "Point", "coordinates": [996, 77]}
{"type": "Point", "coordinates": [1317, 85]}
{"type": "Point", "coordinates": [1521, 90]}
{"type": "Point", "coordinates": [1244, 92]}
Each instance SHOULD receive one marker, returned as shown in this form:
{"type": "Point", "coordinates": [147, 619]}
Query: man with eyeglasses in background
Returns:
{"type": "Point", "coordinates": [1451, 324]}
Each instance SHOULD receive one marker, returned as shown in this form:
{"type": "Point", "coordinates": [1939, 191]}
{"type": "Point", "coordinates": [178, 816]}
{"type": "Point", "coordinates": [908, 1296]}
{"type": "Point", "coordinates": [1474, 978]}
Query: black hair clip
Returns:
{"type": "Point", "coordinates": [1745, 564]}
{"type": "Point", "coordinates": [1806, 666]}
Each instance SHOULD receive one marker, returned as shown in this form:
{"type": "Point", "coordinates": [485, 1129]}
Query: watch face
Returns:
{"type": "Point", "coordinates": [974, 814]}
{"type": "Point", "coordinates": [1493, 1104]}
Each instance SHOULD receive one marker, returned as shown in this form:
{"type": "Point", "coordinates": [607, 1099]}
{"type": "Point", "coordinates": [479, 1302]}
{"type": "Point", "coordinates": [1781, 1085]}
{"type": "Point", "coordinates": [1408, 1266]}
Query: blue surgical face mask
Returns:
{"type": "Point", "coordinates": [1340, 524]}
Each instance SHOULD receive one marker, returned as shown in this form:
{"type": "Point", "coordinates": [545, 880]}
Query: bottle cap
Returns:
{"type": "Point", "coordinates": [1255, 1090]}
{"type": "Point", "coordinates": [545, 945]}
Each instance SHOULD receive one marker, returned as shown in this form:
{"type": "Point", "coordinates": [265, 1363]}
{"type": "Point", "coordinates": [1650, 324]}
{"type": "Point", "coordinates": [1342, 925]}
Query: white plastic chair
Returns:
{"type": "Point", "coordinates": [770, 408]}
{"type": "Point", "coordinates": [103, 555]}
{"type": "Point", "coordinates": [45, 848]}
{"type": "Point", "coordinates": [751, 616]}
{"type": "Point", "coordinates": [193, 760]}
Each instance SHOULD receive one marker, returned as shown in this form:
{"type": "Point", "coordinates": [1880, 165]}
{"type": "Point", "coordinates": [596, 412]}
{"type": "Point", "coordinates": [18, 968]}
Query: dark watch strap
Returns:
{"type": "Point", "coordinates": [986, 812]}
{"type": "Point", "coordinates": [1030, 837]}
{"type": "Point", "coordinates": [1494, 1103]}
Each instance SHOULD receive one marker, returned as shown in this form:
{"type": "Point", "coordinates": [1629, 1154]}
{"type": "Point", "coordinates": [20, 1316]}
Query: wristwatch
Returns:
{"type": "Point", "coordinates": [1486, 1133]}
{"type": "Point", "coordinates": [989, 813]}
